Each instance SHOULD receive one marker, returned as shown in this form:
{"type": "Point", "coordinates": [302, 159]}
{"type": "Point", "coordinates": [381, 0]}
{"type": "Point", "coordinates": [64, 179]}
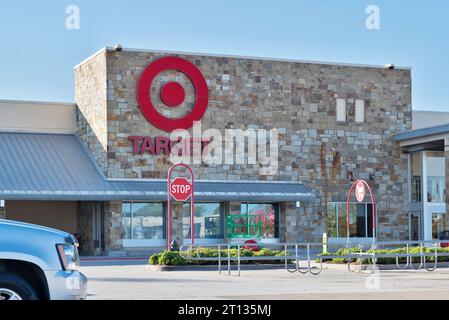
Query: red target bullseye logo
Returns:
{"type": "Point", "coordinates": [172, 93]}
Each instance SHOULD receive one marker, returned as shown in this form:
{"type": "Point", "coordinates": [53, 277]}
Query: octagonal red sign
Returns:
{"type": "Point", "coordinates": [180, 189]}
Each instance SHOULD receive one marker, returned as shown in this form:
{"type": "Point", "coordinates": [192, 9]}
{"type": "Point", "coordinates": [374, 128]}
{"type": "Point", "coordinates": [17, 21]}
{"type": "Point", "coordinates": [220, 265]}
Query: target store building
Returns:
{"type": "Point", "coordinates": [98, 167]}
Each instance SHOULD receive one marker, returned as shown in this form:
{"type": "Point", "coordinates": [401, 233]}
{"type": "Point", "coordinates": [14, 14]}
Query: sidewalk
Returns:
{"type": "Point", "coordinates": [92, 261]}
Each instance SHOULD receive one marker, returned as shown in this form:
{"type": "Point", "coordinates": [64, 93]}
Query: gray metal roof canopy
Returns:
{"type": "Point", "coordinates": [37, 166]}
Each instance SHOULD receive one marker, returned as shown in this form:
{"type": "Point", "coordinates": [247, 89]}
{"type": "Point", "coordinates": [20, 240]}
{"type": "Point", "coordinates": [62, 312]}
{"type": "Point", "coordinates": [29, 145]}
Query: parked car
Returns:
{"type": "Point", "coordinates": [39, 263]}
{"type": "Point", "coordinates": [444, 236]}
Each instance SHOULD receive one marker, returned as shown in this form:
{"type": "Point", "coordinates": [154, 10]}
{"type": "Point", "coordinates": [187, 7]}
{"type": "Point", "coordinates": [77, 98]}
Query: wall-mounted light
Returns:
{"type": "Point", "coordinates": [298, 204]}
{"type": "Point", "coordinates": [2, 203]}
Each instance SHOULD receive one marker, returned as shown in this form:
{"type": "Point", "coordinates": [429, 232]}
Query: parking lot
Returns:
{"type": "Point", "coordinates": [130, 280]}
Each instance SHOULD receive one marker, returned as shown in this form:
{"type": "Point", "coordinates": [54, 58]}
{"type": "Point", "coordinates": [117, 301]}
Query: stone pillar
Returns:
{"type": "Point", "coordinates": [310, 222]}
{"type": "Point", "coordinates": [84, 228]}
{"type": "Point", "coordinates": [177, 223]}
{"type": "Point", "coordinates": [288, 222]}
{"type": "Point", "coordinates": [113, 230]}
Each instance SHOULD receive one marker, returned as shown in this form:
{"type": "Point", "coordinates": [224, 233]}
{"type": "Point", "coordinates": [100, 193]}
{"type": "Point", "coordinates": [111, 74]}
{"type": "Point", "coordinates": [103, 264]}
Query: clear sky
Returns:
{"type": "Point", "coordinates": [38, 52]}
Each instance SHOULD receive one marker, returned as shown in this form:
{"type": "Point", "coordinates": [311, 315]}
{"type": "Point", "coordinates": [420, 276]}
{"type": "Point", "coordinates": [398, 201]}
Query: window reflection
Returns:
{"type": "Point", "coordinates": [436, 183]}
{"type": "Point", "coordinates": [143, 221]}
{"type": "Point", "coordinates": [253, 220]}
{"type": "Point", "coordinates": [415, 174]}
{"type": "Point", "coordinates": [208, 219]}
{"type": "Point", "coordinates": [439, 225]}
{"type": "Point", "coordinates": [360, 220]}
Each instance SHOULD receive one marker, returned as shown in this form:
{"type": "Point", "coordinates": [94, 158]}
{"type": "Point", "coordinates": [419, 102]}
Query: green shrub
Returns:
{"type": "Point", "coordinates": [170, 258]}
{"type": "Point", "coordinates": [154, 259]}
{"type": "Point", "coordinates": [176, 258]}
{"type": "Point", "coordinates": [387, 260]}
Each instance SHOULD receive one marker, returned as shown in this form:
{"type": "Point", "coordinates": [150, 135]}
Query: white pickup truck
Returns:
{"type": "Point", "coordinates": [39, 263]}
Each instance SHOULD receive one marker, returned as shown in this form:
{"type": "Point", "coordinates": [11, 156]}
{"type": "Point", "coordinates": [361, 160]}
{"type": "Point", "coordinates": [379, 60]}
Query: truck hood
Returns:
{"type": "Point", "coordinates": [37, 228]}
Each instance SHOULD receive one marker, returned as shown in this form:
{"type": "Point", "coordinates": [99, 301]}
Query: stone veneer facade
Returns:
{"type": "Point", "coordinates": [298, 99]}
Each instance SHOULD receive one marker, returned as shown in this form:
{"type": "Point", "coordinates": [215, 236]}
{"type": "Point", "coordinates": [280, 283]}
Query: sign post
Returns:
{"type": "Point", "coordinates": [180, 189]}
{"type": "Point", "coordinates": [359, 186]}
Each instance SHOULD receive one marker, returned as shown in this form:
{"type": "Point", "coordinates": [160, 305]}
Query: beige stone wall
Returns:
{"type": "Point", "coordinates": [298, 99]}
{"type": "Point", "coordinates": [90, 98]}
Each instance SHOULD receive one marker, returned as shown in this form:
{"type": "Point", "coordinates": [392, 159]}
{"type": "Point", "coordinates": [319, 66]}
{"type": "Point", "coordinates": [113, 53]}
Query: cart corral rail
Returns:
{"type": "Point", "coordinates": [304, 258]}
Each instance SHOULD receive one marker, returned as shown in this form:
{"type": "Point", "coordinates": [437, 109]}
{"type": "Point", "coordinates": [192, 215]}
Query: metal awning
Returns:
{"type": "Point", "coordinates": [422, 133]}
{"type": "Point", "coordinates": [217, 191]}
{"type": "Point", "coordinates": [36, 166]}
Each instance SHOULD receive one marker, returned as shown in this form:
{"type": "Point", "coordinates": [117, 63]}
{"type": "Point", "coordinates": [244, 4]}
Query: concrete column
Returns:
{"type": "Point", "coordinates": [113, 229]}
{"type": "Point", "coordinates": [84, 228]}
{"type": "Point", "coordinates": [177, 222]}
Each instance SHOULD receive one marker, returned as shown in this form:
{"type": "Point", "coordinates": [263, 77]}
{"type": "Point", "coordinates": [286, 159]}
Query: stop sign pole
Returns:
{"type": "Point", "coordinates": [187, 188]}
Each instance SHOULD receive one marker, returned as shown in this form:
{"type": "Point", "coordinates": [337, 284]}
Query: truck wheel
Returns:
{"type": "Point", "coordinates": [14, 287]}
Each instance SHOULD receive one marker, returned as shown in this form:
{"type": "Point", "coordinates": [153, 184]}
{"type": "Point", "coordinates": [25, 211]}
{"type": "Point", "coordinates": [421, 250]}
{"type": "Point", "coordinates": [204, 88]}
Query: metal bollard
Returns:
{"type": "Point", "coordinates": [238, 259]}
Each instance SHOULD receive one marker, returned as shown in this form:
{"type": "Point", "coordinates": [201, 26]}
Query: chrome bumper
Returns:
{"type": "Point", "coordinates": [66, 285]}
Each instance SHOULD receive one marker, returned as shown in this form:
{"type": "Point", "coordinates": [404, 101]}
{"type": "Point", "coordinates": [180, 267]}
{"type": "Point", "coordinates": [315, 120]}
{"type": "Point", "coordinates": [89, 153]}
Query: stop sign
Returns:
{"type": "Point", "coordinates": [180, 189]}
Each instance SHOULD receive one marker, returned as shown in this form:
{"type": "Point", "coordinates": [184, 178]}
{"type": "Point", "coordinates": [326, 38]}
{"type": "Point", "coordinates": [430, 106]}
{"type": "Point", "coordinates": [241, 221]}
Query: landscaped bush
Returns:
{"type": "Point", "coordinates": [167, 258]}
{"type": "Point", "coordinates": [154, 259]}
{"type": "Point", "coordinates": [176, 258]}
{"type": "Point", "coordinates": [392, 260]}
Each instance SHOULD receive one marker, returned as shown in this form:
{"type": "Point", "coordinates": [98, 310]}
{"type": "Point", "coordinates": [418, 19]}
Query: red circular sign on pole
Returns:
{"type": "Point", "coordinates": [180, 189]}
{"type": "Point", "coordinates": [171, 94]}
{"type": "Point", "coordinates": [360, 191]}
{"type": "Point", "coordinates": [359, 186]}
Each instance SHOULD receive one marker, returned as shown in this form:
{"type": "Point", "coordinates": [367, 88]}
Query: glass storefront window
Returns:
{"type": "Point", "coordinates": [439, 224]}
{"type": "Point", "coordinates": [360, 220]}
{"type": "Point", "coordinates": [126, 221]}
{"type": "Point", "coordinates": [253, 220]}
{"type": "Point", "coordinates": [208, 218]}
{"type": "Point", "coordinates": [436, 184]}
{"type": "Point", "coordinates": [415, 176]}
{"type": "Point", "coordinates": [414, 225]}
{"type": "Point", "coordinates": [143, 221]}
{"type": "Point", "coordinates": [267, 214]}
{"type": "Point", "coordinates": [369, 220]}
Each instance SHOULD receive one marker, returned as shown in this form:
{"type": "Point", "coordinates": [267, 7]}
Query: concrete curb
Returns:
{"type": "Point", "coordinates": [365, 267]}
{"type": "Point", "coordinates": [326, 266]}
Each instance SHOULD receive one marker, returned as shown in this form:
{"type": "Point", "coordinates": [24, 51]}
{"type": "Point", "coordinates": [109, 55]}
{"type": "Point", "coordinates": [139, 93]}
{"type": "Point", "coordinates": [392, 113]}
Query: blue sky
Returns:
{"type": "Point", "coordinates": [38, 52]}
